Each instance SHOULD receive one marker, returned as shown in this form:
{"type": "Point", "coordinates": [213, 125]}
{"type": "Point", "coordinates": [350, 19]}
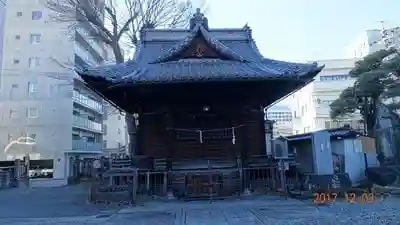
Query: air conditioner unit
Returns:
{"type": "Point", "coordinates": [280, 148]}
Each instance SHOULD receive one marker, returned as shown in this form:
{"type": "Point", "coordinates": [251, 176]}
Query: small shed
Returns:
{"type": "Point", "coordinates": [332, 151]}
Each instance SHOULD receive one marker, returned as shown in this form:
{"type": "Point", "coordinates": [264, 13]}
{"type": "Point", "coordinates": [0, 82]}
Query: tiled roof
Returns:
{"type": "Point", "coordinates": [152, 63]}
{"type": "Point", "coordinates": [214, 43]}
{"type": "Point", "coordinates": [203, 70]}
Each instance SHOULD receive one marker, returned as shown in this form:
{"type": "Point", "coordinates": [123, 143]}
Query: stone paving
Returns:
{"type": "Point", "coordinates": [249, 211]}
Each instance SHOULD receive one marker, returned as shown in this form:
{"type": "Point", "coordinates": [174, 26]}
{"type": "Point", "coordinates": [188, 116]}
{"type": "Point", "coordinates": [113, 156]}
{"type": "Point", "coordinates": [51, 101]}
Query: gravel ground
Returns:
{"type": "Point", "coordinates": [47, 202]}
{"type": "Point", "coordinates": [68, 206]}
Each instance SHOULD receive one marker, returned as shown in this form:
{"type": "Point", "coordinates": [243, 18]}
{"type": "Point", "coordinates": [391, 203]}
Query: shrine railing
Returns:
{"type": "Point", "coordinates": [189, 184]}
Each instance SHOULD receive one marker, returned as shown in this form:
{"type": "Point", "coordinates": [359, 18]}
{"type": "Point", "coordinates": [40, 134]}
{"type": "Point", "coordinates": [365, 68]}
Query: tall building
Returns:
{"type": "Point", "coordinates": [373, 40]}
{"type": "Point", "coordinates": [2, 17]}
{"type": "Point", "coordinates": [367, 42]}
{"type": "Point", "coordinates": [281, 115]}
{"type": "Point", "coordinates": [310, 105]}
{"type": "Point", "coordinates": [115, 133]}
{"type": "Point", "coordinates": [46, 110]}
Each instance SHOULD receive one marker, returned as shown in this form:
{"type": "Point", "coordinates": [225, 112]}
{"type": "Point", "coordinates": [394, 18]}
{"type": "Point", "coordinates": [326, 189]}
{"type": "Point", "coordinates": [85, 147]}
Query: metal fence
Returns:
{"type": "Point", "coordinates": [14, 173]}
{"type": "Point", "coordinates": [82, 169]}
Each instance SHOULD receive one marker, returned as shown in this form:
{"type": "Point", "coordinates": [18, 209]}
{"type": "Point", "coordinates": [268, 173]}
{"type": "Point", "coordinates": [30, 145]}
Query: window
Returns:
{"type": "Point", "coordinates": [10, 138]}
{"type": "Point", "coordinates": [306, 129]}
{"type": "Point", "coordinates": [35, 38]}
{"type": "Point", "coordinates": [33, 62]}
{"type": "Point", "coordinates": [105, 144]}
{"type": "Point", "coordinates": [36, 15]}
{"type": "Point", "coordinates": [119, 117]}
{"type": "Point", "coordinates": [118, 131]}
{"type": "Point", "coordinates": [335, 77]}
{"type": "Point", "coordinates": [13, 113]}
{"type": "Point", "coordinates": [32, 112]}
{"type": "Point", "coordinates": [13, 90]}
{"type": "Point", "coordinates": [327, 124]}
{"type": "Point", "coordinates": [19, 13]}
{"type": "Point", "coordinates": [105, 129]}
{"type": "Point", "coordinates": [16, 61]}
{"type": "Point", "coordinates": [32, 88]}
{"type": "Point", "coordinates": [17, 37]}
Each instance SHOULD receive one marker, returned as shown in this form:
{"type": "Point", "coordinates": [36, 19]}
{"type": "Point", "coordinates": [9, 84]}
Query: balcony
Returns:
{"type": "Point", "coordinates": [85, 146]}
{"type": "Point", "coordinates": [84, 123]}
{"type": "Point", "coordinates": [88, 102]}
{"type": "Point", "coordinates": [86, 37]}
{"type": "Point", "coordinates": [85, 56]}
{"type": "Point", "coordinates": [332, 86]}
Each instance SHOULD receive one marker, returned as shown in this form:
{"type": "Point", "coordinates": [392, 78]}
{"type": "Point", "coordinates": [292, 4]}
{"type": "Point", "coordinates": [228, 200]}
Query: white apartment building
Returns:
{"type": "Point", "coordinates": [46, 111]}
{"type": "Point", "coordinates": [2, 17]}
{"type": "Point", "coordinates": [310, 105]}
{"type": "Point", "coordinates": [281, 115]}
{"type": "Point", "coordinates": [115, 133]}
{"type": "Point", "coordinates": [367, 42]}
{"type": "Point", "coordinates": [373, 40]}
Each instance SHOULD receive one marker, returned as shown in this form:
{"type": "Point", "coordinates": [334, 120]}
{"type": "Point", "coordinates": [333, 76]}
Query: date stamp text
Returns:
{"type": "Point", "coordinates": [349, 197]}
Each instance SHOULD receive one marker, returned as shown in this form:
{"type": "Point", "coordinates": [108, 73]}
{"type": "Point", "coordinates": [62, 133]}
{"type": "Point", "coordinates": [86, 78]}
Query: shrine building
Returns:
{"type": "Point", "coordinates": [198, 96]}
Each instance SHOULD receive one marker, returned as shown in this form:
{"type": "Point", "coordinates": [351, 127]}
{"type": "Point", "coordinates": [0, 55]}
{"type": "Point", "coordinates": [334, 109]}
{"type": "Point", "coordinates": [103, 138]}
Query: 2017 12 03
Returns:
{"type": "Point", "coordinates": [350, 197]}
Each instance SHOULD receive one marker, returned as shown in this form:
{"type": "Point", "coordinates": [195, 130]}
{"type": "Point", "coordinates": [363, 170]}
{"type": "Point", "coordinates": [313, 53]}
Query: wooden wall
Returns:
{"type": "Point", "coordinates": [183, 139]}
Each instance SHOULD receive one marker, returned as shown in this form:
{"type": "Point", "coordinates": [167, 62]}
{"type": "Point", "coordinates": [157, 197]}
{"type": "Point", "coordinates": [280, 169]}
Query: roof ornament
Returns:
{"type": "Point", "coordinates": [198, 19]}
{"type": "Point", "coordinates": [248, 29]}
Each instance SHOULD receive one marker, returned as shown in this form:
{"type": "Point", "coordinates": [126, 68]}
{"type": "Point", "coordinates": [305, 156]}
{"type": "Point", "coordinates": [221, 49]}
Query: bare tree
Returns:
{"type": "Point", "coordinates": [117, 23]}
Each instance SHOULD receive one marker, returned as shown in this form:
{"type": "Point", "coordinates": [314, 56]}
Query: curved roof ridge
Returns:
{"type": "Point", "coordinates": [209, 39]}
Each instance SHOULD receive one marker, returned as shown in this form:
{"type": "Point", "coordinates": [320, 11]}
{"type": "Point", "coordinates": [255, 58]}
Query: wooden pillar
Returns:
{"type": "Point", "coordinates": [165, 183]}
{"type": "Point", "coordinates": [170, 138]}
{"type": "Point", "coordinates": [245, 137]}
{"type": "Point", "coordinates": [148, 183]}
{"type": "Point", "coordinates": [135, 184]}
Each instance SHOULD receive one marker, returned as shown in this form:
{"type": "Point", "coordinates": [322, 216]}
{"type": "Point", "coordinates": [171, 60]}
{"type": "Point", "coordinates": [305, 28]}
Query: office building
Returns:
{"type": "Point", "coordinates": [281, 115]}
{"type": "Point", "coordinates": [310, 105]}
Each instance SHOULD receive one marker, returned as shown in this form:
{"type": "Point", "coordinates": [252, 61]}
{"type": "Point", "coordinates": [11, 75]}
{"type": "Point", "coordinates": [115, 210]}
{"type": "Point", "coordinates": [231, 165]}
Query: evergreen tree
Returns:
{"type": "Point", "coordinates": [375, 75]}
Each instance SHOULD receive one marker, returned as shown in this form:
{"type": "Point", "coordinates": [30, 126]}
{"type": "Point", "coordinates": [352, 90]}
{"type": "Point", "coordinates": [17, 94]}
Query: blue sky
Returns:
{"type": "Point", "coordinates": [297, 30]}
